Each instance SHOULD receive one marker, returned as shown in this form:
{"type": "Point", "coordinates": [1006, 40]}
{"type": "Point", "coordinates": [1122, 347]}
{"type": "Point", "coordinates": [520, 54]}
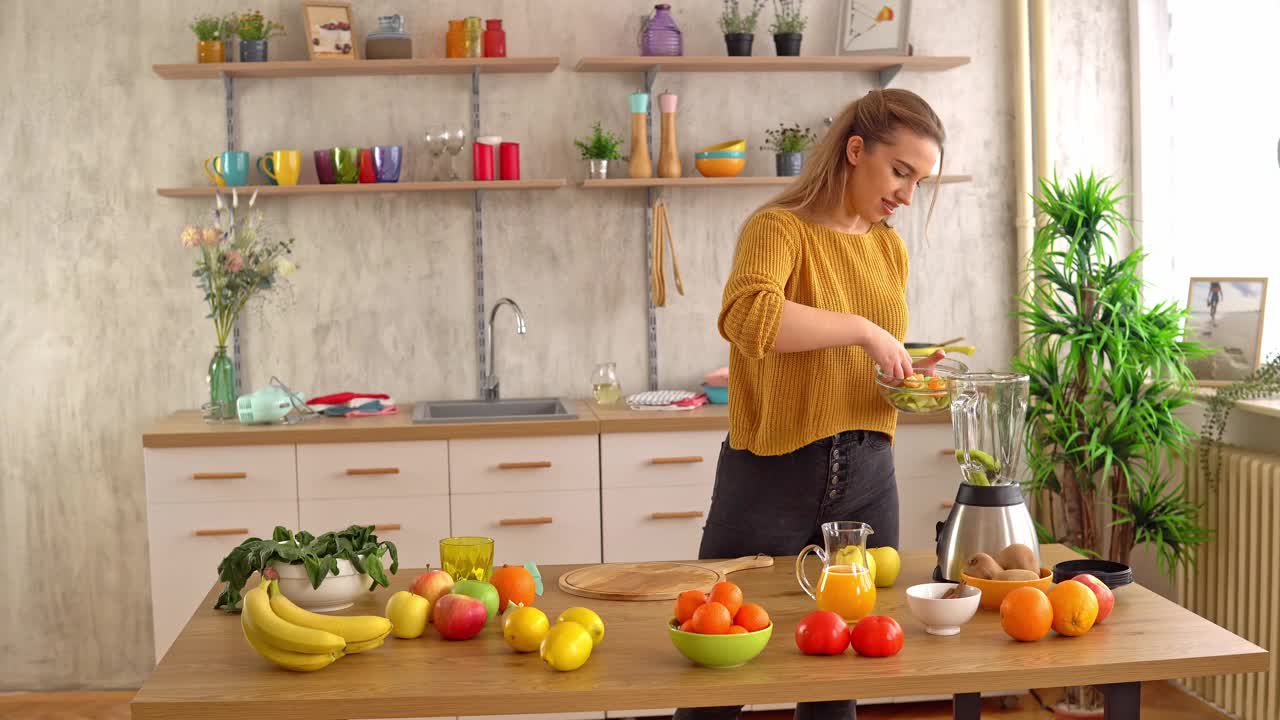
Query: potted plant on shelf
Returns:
{"type": "Point", "coordinates": [1264, 382]}
{"type": "Point", "coordinates": [789, 145]}
{"type": "Point", "coordinates": [788, 26]}
{"type": "Point", "coordinates": [211, 32]}
{"type": "Point", "coordinates": [738, 28]}
{"type": "Point", "coordinates": [254, 30]}
{"type": "Point", "coordinates": [352, 558]}
{"type": "Point", "coordinates": [599, 150]}
{"type": "Point", "coordinates": [1107, 378]}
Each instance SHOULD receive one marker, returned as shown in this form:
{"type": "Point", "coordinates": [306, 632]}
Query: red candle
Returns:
{"type": "Point", "coordinates": [509, 155]}
{"type": "Point", "coordinates": [481, 161]}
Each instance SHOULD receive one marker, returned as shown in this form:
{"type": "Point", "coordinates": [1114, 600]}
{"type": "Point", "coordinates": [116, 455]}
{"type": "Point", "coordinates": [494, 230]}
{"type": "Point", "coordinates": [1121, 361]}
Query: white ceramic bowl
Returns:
{"type": "Point", "coordinates": [942, 617]}
{"type": "Point", "coordinates": [335, 593]}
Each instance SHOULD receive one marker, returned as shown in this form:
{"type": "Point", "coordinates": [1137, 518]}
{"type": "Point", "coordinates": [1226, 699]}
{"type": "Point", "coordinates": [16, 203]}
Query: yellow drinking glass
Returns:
{"type": "Point", "coordinates": [467, 558]}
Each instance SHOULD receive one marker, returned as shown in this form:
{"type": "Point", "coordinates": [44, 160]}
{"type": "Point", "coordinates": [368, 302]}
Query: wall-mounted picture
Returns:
{"type": "Point", "coordinates": [878, 28]}
{"type": "Point", "coordinates": [329, 30]}
{"type": "Point", "coordinates": [1226, 314]}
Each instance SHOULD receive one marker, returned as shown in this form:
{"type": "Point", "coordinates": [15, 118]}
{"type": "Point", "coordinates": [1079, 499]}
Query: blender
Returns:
{"type": "Point", "coordinates": [988, 417]}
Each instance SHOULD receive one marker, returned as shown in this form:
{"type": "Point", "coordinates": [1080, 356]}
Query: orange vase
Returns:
{"type": "Point", "coordinates": [456, 40]}
{"type": "Point", "coordinates": [209, 51]}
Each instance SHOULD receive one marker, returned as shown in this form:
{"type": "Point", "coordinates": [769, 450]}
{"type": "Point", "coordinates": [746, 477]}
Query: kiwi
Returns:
{"type": "Point", "coordinates": [1018, 557]}
{"type": "Point", "coordinates": [1016, 574]}
{"type": "Point", "coordinates": [982, 565]}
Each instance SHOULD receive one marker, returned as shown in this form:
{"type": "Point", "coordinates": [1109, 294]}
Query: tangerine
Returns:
{"type": "Point", "coordinates": [687, 602]}
{"type": "Point", "coordinates": [1026, 614]}
{"type": "Point", "coordinates": [752, 617]}
{"type": "Point", "coordinates": [687, 626]}
{"type": "Point", "coordinates": [737, 630]}
{"type": "Point", "coordinates": [515, 585]}
{"type": "Point", "coordinates": [714, 619]}
{"type": "Point", "coordinates": [1075, 608]}
{"type": "Point", "coordinates": [728, 595]}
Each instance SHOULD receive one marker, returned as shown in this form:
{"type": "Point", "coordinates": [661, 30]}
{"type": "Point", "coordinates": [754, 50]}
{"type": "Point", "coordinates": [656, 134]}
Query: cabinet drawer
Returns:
{"type": "Point", "coordinates": [570, 462]}
{"type": "Point", "coordinates": [380, 469]}
{"type": "Point", "coordinates": [658, 459]}
{"type": "Point", "coordinates": [414, 524]}
{"type": "Point", "coordinates": [549, 528]}
{"type": "Point", "coordinates": [642, 524]}
{"type": "Point", "coordinates": [187, 543]}
{"type": "Point", "coordinates": [927, 481]}
{"type": "Point", "coordinates": [225, 473]}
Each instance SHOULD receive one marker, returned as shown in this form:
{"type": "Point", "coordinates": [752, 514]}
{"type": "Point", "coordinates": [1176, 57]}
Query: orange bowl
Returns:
{"type": "Point", "coordinates": [994, 591]}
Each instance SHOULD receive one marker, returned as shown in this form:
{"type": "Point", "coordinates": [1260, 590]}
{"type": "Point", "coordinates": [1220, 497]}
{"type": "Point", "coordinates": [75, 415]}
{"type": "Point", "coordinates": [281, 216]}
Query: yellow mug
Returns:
{"type": "Point", "coordinates": [282, 166]}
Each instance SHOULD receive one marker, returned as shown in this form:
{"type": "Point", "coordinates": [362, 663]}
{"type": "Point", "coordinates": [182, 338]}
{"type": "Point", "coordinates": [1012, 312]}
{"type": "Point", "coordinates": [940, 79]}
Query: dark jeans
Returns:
{"type": "Point", "coordinates": [777, 504]}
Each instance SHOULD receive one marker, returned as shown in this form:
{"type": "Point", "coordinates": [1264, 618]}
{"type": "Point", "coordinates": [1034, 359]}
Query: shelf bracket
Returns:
{"type": "Point", "coordinates": [477, 248]}
{"type": "Point", "coordinates": [651, 313]}
{"type": "Point", "coordinates": [229, 107]}
{"type": "Point", "coordinates": [888, 74]}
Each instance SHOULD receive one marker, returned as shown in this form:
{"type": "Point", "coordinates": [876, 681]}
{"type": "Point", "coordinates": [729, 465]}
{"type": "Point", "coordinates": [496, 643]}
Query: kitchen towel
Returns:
{"type": "Point", "coordinates": [360, 409]}
{"type": "Point", "coordinates": [349, 399]}
{"type": "Point", "coordinates": [666, 400]}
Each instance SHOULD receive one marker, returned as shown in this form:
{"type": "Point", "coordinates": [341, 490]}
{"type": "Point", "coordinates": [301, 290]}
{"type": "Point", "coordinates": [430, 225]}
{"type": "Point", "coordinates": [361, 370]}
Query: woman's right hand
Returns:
{"type": "Point", "coordinates": [887, 351]}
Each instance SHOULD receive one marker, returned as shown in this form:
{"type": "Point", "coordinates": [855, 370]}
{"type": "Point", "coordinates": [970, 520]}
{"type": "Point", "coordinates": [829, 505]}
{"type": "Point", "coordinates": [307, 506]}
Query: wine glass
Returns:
{"type": "Point", "coordinates": [434, 139]}
{"type": "Point", "coordinates": [455, 139]}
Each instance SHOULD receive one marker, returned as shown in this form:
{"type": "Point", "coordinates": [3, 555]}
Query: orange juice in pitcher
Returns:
{"type": "Point", "coordinates": [846, 590]}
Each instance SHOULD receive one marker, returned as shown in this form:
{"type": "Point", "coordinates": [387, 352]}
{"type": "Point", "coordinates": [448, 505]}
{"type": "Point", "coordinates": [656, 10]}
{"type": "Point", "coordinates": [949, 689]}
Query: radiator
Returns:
{"type": "Point", "coordinates": [1236, 581]}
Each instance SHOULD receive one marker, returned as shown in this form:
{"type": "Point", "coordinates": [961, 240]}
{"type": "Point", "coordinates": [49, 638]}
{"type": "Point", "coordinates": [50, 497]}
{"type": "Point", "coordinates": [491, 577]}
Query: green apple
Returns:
{"type": "Point", "coordinates": [887, 563]}
{"type": "Point", "coordinates": [482, 591]}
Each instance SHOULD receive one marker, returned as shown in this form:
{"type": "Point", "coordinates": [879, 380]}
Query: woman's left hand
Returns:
{"type": "Point", "coordinates": [925, 365]}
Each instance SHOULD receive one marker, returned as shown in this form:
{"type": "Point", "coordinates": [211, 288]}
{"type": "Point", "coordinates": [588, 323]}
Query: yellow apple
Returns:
{"type": "Point", "coordinates": [887, 563]}
{"type": "Point", "coordinates": [408, 614]}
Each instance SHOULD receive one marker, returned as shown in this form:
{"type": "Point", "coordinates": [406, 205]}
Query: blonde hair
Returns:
{"type": "Point", "coordinates": [874, 117]}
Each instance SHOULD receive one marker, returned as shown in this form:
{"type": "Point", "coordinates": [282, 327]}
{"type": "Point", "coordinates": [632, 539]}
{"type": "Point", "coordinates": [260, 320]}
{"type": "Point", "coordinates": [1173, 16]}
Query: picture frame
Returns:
{"type": "Point", "coordinates": [1226, 313]}
{"type": "Point", "coordinates": [864, 29]}
{"type": "Point", "coordinates": [330, 30]}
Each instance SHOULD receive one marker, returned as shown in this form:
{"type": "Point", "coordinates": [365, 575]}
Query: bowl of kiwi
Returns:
{"type": "Point", "coordinates": [996, 576]}
{"type": "Point", "coordinates": [926, 391]}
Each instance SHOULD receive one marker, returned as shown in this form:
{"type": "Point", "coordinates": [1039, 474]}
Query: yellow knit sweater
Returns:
{"type": "Point", "coordinates": [779, 402]}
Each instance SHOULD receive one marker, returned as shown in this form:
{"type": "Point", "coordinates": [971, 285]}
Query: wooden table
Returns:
{"type": "Point", "coordinates": [210, 671]}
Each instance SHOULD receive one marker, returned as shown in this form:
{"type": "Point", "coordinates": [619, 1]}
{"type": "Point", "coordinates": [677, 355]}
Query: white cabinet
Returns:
{"type": "Point", "coordinates": [264, 472]}
{"type": "Point", "coordinates": [526, 464]}
{"type": "Point", "coordinates": [381, 469]}
{"type": "Point", "coordinates": [927, 474]}
{"type": "Point", "coordinates": [558, 527]}
{"type": "Point", "coordinates": [659, 459]}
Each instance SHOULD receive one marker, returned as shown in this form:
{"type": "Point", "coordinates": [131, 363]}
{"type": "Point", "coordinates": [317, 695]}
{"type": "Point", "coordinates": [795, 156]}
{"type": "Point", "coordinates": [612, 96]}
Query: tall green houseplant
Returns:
{"type": "Point", "coordinates": [1107, 378]}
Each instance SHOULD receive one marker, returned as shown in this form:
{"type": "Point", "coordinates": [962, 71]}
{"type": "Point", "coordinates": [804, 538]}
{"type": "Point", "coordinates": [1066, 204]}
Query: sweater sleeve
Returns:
{"type": "Point", "coordinates": [754, 294]}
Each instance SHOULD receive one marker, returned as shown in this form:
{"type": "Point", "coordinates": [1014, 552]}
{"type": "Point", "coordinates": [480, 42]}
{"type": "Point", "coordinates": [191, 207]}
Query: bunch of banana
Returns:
{"type": "Point", "coordinates": [359, 632]}
{"type": "Point", "coordinates": [296, 639]}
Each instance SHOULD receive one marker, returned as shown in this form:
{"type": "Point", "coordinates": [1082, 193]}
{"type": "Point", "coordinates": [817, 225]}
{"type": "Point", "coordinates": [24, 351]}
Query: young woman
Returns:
{"type": "Point", "coordinates": [816, 299]}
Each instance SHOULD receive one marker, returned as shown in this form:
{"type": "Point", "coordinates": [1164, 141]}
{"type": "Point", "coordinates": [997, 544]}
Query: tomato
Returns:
{"type": "Point", "coordinates": [822, 632]}
{"type": "Point", "coordinates": [876, 636]}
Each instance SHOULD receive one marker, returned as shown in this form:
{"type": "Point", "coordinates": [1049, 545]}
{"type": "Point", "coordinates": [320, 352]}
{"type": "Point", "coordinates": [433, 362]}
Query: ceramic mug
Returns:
{"type": "Point", "coordinates": [386, 162]}
{"type": "Point", "coordinates": [282, 167]}
{"type": "Point", "coordinates": [230, 169]}
{"type": "Point", "coordinates": [324, 167]}
{"type": "Point", "coordinates": [346, 164]}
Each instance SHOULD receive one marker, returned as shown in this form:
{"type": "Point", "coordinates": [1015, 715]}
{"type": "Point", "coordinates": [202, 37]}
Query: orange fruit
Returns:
{"type": "Point", "coordinates": [737, 630]}
{"type": "Point", "coordinates": [687, 626]}
{"type": "Point", "coordinates": [728, 595]}
{"type": "Point", "coordinates": [752, 617]}
{"type": "Point", "coordinates": [714, 619]}
{"type": "Point", "coordinates": [1026, 614]}
{"type": "Point", "coordinates": [1075, 608]}
{"type": "Point", "coordinates": [515, 585]}
{"type": "Point", "coordinates": [687, 602]}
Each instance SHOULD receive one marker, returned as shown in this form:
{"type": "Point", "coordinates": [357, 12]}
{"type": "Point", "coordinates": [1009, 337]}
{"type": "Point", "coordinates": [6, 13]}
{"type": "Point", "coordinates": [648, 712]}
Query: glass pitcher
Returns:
{"type": "Point", "coordinates": [845, 587]}
{"type": "Point", "coordinates": [988, 417]}
{"type": "Point", "coordinates": [604, 384]}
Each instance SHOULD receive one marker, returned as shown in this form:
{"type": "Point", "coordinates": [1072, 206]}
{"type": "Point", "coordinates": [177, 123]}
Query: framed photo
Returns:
{"type": "Point", "coordinates": [879, 28]}
{"type": "Point", "coordinates": [330, 30]}
{"type": "Point", "coordinates": [1226, 313]}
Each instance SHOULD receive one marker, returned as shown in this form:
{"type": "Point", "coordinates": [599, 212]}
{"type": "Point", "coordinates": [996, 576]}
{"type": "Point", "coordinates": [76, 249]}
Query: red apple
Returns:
{"type": "Point", "coordinates": [459, 617]}
{"type": "Point", "coordinates": [1106, 598]}
{"type": "Point", "coordinates": [432, 585]}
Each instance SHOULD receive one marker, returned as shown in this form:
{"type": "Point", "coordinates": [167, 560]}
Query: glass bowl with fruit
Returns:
{"type": "Point", "coordinates": [926, 391]}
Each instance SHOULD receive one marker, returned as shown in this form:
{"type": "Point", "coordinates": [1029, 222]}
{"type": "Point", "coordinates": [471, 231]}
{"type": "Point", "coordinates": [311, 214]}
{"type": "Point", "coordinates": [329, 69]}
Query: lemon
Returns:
{"type": "Point", "coordinates": [855, 557]}
{"type": "Point", "coordinates": [524, 628]}
{"type": "Point", "coordinates": [587, 619]}
{"type": "Point", "coordinates": [566, 646]}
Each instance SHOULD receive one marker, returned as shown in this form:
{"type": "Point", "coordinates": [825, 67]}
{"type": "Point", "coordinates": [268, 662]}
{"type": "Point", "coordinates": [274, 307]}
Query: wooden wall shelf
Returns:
{"type": "Point", "coordinates": [345, 68]}
{"type": "Point", "coordinates": [367, 189]}
{"type": "Point", "coordinates": [748, 181]}
{"type": "Point", "coordinates": [715, 63]}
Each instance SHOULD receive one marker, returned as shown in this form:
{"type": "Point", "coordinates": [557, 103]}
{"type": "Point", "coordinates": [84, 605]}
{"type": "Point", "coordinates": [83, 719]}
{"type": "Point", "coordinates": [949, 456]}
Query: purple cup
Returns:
{"type": "Point", "coordinates": [386, 163]}
{"type": "Point", "coordinates": [324, 167]}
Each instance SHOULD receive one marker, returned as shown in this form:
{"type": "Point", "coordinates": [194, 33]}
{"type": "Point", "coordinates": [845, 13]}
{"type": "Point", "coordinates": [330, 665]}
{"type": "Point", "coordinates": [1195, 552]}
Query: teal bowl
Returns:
{"type": "Point", "coordinates": [716, 395]}
{"type": "Point", "coordinates": [719, 651]}
{"type": "Point", "coordinates": [708, 154]}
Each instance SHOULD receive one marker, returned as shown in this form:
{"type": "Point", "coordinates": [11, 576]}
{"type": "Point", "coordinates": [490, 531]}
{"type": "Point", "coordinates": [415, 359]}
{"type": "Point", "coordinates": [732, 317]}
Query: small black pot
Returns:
{"type": "Point", "coordinates": [738, 44]}
{"type": "Point", "coordinates": [253, 51]}
{"type": "Point", "coordinates": [789, 164]}
{"type": "Point", "coordinates": [787, 43]}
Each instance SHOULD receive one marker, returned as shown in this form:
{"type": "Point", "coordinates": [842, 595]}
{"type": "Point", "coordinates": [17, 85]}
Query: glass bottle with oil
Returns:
{"type": "Point", "coordinates": [604, 384]}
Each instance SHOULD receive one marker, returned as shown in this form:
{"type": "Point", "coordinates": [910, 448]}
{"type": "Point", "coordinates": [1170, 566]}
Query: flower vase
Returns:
{"type": "Point", "coordinates": [222, 386]}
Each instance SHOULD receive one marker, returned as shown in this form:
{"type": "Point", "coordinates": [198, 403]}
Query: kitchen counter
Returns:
{"type": "Point", "coordinates": [210, 671]}
{"type": "Point", "coordinates": [186, 428]}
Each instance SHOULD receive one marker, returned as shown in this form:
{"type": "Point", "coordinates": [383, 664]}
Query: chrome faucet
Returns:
{"type": "Point", "coordinates": [488, 376]}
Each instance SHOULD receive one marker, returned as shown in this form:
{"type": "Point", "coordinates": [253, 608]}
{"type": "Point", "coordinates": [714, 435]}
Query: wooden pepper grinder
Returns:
{"type": "Point", "coordinates": [641, 166]}
{"type": "Point", "coordinates": [669, 158]}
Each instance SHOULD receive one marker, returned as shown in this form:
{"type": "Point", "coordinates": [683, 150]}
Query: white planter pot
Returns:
{"type": "Point", "coordinates": [335, 592]}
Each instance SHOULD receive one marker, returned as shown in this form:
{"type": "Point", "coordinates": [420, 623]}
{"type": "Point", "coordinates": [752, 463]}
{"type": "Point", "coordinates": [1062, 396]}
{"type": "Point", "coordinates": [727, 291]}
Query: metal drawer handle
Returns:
{"type": "Point", "coordinates": [219, 476]}
{"type": "Point", "coordinates": [213, 532]}
{"type": "Point", "coordinates": [387, 526]}
{"type": "Point", "coordinates": [682, 460]}
{"type": "Point", "coordinates": [530, 465]}
{"type": "Point", "coordinates": [374, 471]}
{"type": "Point", "coordinates": [525, 521]}
{"type": "Point", "coordinates": [677, 515]}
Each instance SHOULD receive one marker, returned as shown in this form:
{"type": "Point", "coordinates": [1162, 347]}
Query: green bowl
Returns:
{"type": "Point", "coordinates": [720, 651]}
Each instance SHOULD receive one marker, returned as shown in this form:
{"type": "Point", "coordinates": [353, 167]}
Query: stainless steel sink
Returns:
{"type": "Point", "coordinates": [454, 411]}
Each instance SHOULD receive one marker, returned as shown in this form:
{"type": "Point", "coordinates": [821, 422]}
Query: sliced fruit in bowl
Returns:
{"type": "Point", "coordinates": [926, 391]}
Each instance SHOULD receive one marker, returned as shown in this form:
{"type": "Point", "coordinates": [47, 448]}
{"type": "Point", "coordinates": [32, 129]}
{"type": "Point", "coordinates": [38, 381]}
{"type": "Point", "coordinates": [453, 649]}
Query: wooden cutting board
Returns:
{"type": "Point", "coordinates": [653, 580]}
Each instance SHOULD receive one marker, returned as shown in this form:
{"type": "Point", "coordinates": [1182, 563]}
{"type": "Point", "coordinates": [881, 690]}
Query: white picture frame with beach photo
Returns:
{"type": "Point", "coordinates": [1226, 314]}
{"type": "Point", "coordinates": [330, 30]}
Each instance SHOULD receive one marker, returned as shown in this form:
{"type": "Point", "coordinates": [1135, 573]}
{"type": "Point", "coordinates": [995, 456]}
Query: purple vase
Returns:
{"type": "Point", "coordinates": [660, 35]}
